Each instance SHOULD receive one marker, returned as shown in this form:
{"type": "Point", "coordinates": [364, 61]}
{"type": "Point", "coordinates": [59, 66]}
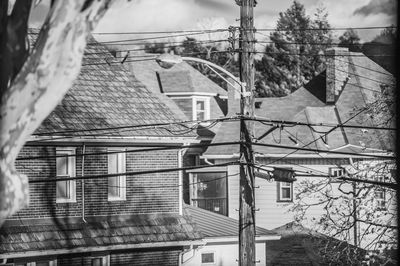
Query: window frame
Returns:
{"type": "Point", "coordinates": [208, 252]}
{"type": "Point", "coordinates": [29, 262]}
{"type": "Point", "coordinates": [206, 111]}
{"type": "Point", "coordinates": [72, 169]}
{"type": "Point", "coordinates": [380, 201]}
{"type": "Point", "coordinates": [335, 171]}
{"type": "Point", "coordinates": [193, 190]}
{"type": "Point", "coordinates": [122, 178]}
{"type": "Point", "coordinates": [279, 192]}
{"type": "Point", "coordinates": [105, 259]}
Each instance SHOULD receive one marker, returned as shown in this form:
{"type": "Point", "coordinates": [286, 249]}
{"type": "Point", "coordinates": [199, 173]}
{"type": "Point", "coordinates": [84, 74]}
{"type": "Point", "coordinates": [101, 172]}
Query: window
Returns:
{"type": "Point", "coordinates": [65, 168]}
{"type": "Point", "coordinates": [100, 261]}
{"type": "Point", "coordinates": [208, 258]}
{"type": "Point", "coordinates": [116, 184]}
{"type": "Point", "coordinates": [201, 109]}
{"type": "Point", "coordinates": [336, 171]}
{"type": "Point", "coordinates": [40, 262]}
{"type": "Point", "coordinates": [209, 192]}
{"type": "Point", "coordinates": [380, 199]}
{"type": "Point", "coordinates": [285, 191]}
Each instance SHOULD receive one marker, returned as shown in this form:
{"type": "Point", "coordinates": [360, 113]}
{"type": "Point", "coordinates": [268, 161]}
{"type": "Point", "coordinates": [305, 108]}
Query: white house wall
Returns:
{"type": "Point", "coordinates": [226, 254]}
{"type": "Point", "coordinates": [271, 213]}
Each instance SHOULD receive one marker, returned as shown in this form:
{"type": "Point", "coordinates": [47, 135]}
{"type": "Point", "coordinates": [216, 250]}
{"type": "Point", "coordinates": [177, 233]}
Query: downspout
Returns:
{"type": "Point", "coordinates": [83, 182]}
{"type": "Point", "coordinates": [207, 161]}
{"type": "Point", "coordinates": [181, 152]}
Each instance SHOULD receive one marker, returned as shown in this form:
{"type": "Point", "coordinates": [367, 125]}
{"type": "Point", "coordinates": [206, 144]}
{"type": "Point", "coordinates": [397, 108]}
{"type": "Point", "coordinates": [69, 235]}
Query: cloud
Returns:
{"type": "Point", "coordinates": [387, 7]}
{"type": "Point", "coordinates": [215, 5]}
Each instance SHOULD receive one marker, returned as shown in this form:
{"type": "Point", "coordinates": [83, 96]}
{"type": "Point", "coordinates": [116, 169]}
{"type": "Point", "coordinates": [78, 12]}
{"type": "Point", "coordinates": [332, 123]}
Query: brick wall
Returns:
{"type": "Point", "coordinates": [165, 257]}
{"type": "Point", "coordinates": [152, 258]}
{"type": "Point", "coordinates": [148, 193]}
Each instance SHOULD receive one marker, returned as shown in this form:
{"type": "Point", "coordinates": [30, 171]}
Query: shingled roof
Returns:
{"type": "Point", "coordinates": [308, 105]}
{"type": "Point", "coordinates": [49, 237]}
{"type": "Point", "coordinates": [106, 95]}
{"type": "Point", "coordinates": [181, 78]}
{"type": "Point", "coordinates": [214, 225]}
{"type": "Point", "coordinates": [304, 247]}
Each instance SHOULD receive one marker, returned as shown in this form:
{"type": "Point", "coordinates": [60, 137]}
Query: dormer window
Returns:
{"type": "Point", "coordinates": [201, 108]}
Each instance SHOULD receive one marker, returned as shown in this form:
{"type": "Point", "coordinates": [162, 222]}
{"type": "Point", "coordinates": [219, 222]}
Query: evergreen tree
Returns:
{"type": "Point", "coordinates": [293, 58]}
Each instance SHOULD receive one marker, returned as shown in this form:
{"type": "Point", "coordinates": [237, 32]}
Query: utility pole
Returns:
{"type": "Point", "coordinates": [247, 254]}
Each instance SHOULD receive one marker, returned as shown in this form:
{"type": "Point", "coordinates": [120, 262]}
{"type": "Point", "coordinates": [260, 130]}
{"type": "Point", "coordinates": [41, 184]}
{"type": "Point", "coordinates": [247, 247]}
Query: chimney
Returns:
{"type": "Point", "coordinates": [233, 97]}
{"type": "Point", "coordinates": [337, 72]}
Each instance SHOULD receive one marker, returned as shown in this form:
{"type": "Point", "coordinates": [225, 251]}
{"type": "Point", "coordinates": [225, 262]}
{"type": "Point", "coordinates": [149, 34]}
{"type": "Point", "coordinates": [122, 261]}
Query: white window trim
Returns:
{"type": "Point", "coordinates": [105, 259]}
{"type": "Point", "coordinates": [33, 263]}
{"type": "Point", "coordinates": [206, 107]}
{"type": "Point", "coordinates": [208, 263]}
{"type": "Point", "coordinates": [279, 196]}
{"type": "Point", "coordinates": [122, 178]}
{"type": "Point", "coordinates": [380, 202]}
{"type": "Point", "coordinates": [336, 171]}
{"type": "Point", "coordinates": [72, 170]}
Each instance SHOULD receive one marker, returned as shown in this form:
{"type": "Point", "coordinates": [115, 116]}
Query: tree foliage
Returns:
{"type": "Point", "coordinates": [294, 56]}
{"type": "Point", "coordinates": [382, 49]}
{"type": "Point", "coordinates": [351, 210]}
{"type": "Point", "coordinates": [191, 47]}
{"type": "Point", "coordinates": [350, 39]}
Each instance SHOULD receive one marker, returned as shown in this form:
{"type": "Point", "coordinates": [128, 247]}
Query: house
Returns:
{"type": "Point", "coordinates": [221, 236]}
{"type": "Point", "coordinates": [196, 95]}
{"type": "Point", "coordinates": [96, 195]}
{"type": "Point", "coordinates": [301, 246]}
{"type": "Point", "coordinates": [337, 96]}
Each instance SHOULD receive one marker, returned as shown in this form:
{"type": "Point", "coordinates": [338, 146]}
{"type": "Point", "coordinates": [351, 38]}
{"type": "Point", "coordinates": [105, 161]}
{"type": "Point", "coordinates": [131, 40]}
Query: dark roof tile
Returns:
{"type": "Point", "coordinates": [133, 230]}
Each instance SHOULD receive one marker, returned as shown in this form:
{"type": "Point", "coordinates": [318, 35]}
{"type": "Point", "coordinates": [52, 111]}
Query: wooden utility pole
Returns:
{"type": "Point", "coordinates": [246, 191]}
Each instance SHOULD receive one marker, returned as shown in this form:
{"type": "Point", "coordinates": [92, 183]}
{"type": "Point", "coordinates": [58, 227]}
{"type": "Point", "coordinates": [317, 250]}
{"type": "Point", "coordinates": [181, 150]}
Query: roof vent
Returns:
{"type": "Point", "coordinates": [258, 104]}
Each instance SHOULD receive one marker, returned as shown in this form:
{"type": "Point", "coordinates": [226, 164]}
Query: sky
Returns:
{"type": "Point", "coordinates": [170, 15]}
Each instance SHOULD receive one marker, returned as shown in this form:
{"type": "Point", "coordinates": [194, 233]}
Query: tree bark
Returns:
{"type": "Point", "coordinates": [39, 86]}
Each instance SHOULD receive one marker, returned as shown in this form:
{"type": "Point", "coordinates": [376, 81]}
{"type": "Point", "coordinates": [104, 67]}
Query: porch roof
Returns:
{"type": "Point", "coordinates": [48, 237]}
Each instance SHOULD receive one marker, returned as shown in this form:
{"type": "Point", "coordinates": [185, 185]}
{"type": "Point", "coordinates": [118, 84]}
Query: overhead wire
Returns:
{"type": "Point", "coordinates": [145, 172]}
{"type": "Point", "coordinates": [160, 37]}
{"type": "Point", "coordinates": [259, 29]}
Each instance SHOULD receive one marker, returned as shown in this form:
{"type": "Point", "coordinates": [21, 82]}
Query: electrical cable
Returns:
{"type": "Point", "coordinates": [154, 171]}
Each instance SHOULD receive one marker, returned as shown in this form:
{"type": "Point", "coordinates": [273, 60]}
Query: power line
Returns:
{"type": "Point", "coordinates": [315, 140]}
{"type": "Point", "coordinates": [260, 29]}
{"type": "Point", "coordinates": [308, 54]}
{"type": "Point", "coordinates": [295, 123]}
{"type": "Point", "coordinates": [145, 148]}
{"type": "Point", "coordinates": [328, 29]}
{"type": "Point", "coordinates": [323, 151]}
{"type": "Point", "coordinates": [160, 37]}
{"type": "Point", "coordinates": [321, 43]}
{"type": "Point", "coordinates": [166, 45]}
{"type": "Point", "coordinates": [155, 32]}
{"type": "Point", "coordinates": [156, 171]}
{"type": "Point", "coordinates": [133, 126]}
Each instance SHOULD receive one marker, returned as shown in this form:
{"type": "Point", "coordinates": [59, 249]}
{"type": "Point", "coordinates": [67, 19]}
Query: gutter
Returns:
{"type": "Point", "coordinates": [50, 252]}
{"type": "Point", "coordinates": [83, 183]}
{"type": "Point", "coordinates": [234, 239]}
